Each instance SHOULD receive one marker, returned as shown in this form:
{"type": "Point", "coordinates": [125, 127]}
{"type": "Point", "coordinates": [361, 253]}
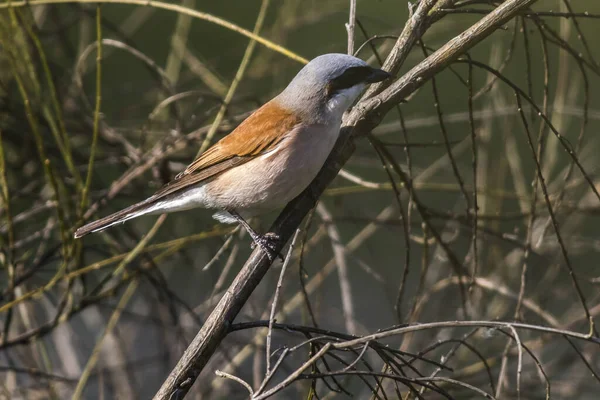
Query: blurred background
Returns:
{"type": "Point", "coordinates": [83, 136]}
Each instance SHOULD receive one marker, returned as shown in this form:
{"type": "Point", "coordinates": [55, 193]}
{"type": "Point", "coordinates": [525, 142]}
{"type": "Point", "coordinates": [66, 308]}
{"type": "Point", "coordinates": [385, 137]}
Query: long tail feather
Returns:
{"type": "Point", "coordinates": [128, 213]}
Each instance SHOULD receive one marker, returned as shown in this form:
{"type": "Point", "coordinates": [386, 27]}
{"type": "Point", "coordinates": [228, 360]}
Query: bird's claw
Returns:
{"type": "Point", "coordinates": [268, 244]}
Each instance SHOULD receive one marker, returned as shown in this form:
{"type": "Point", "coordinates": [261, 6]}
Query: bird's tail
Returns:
{"type": "Point", "coordinates": [134, 211]}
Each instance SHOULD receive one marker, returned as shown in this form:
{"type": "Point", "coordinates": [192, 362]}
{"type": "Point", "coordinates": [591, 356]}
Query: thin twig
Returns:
{"type": "Point", "coordinates": [222, 374]}
{"type": "Point", "coordinates": [350, 26]}
{"type": "Point", "coordinates": [339, 254]}
{"type": "Point", "coordinates": [272, 319]}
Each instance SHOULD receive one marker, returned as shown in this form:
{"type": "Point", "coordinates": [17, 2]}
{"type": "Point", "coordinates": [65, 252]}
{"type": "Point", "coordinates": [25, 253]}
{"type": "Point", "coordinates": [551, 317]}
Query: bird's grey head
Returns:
{"type": "Point", "coordinates": [328, 85]}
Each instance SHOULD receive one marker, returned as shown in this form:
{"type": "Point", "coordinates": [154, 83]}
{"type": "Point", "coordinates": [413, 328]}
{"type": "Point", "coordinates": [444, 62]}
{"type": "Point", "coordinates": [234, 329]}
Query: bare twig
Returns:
{"type": "Point", "coordinates": [222, 374]}
{"type": "Point", "coordinates": [339, 255]}
{"type": "Point", "coordinates": [272, 319]}
{"type": "Point", "coordinates": [350, 26]}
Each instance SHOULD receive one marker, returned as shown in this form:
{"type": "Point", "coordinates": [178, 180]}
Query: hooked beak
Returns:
{"type": "Point", "coordinates": [377, 75]}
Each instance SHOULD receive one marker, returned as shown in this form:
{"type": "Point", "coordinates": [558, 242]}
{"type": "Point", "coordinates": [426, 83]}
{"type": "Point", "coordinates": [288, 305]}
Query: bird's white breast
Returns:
{"type": "Point", "coordinates": [273, 179]}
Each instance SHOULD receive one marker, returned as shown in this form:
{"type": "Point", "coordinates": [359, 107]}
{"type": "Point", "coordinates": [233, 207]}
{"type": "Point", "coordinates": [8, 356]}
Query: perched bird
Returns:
{"type": "Point", "coordinates": [271, 157]}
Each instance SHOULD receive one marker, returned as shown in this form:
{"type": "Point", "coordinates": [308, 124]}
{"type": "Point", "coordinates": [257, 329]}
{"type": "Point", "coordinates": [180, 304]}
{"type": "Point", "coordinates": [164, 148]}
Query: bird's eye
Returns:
{"type": "Point", "coordinates": [350, 77]}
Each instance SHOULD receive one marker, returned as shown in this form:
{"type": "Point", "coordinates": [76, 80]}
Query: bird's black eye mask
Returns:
{"type": "Point", "coordinates": [350, 77]}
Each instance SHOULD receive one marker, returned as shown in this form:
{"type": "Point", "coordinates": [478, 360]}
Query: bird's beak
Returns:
{"type": "Point", "coordinates": [377, 75]}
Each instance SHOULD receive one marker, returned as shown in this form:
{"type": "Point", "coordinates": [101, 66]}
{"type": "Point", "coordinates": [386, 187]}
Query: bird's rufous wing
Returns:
{"type": "Point", "coordinates": [256, 135]}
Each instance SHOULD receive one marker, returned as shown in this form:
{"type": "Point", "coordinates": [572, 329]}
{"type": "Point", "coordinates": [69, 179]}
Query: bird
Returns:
{"type": "Point", "coordinates": [269, 158]}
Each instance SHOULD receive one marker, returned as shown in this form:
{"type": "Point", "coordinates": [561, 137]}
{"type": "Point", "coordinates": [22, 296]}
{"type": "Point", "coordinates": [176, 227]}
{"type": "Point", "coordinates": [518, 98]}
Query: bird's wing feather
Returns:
{"type": "Point", "coordinates": [258, 134]}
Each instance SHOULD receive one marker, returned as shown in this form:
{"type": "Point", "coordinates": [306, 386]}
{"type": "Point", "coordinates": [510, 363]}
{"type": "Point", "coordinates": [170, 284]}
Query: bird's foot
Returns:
{"type": "Point", "coordinates": [268, 244]}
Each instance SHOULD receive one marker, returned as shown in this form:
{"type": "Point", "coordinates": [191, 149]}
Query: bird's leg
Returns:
{"type": "Point", "coordinates": [267, 242]}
